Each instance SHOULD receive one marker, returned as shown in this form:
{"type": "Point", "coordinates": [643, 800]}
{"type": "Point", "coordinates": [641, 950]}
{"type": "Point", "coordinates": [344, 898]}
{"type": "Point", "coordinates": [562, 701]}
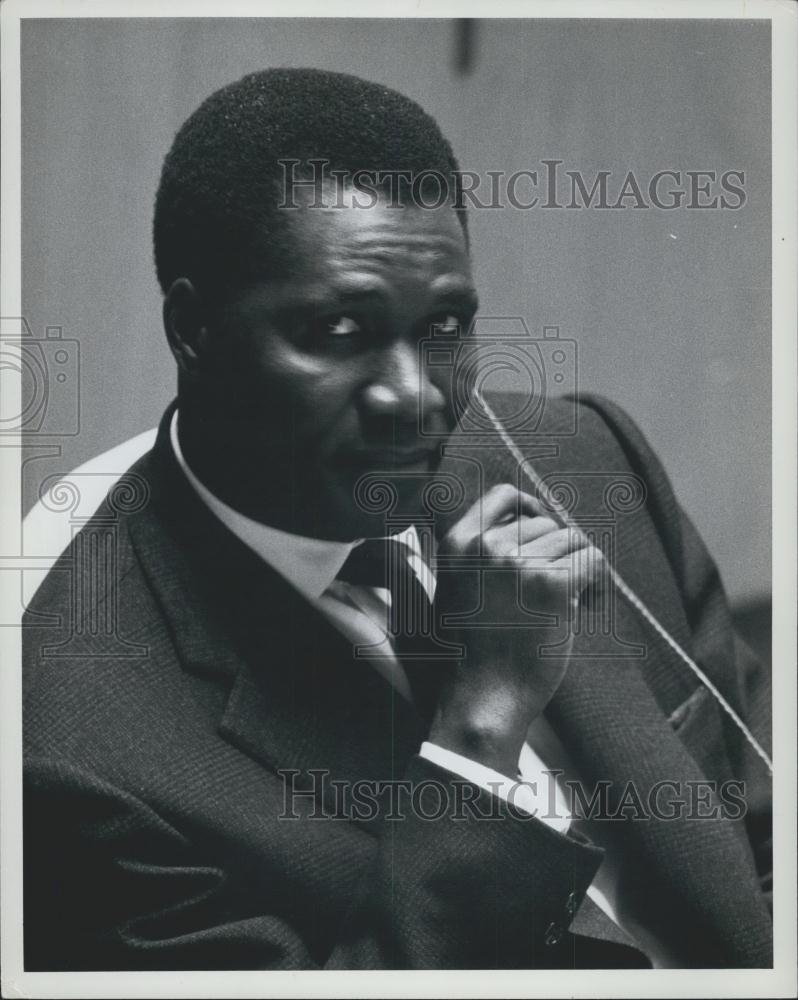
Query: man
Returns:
{"type": "Point", "coordinates": [267, 762]}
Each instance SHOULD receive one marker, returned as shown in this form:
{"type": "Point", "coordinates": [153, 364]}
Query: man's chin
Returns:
{"type": "Point", "coordinates": [379, 502]}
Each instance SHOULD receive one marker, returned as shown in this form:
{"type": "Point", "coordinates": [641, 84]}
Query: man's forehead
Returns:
{"type": "Point", "coordinates": [350, 211]}
{"type": "Point", "coordinates": [357, 247]}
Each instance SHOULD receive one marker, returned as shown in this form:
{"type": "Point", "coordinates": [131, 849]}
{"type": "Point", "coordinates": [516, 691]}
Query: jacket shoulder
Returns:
{"type": "Point", "coordinates": [95, 646]}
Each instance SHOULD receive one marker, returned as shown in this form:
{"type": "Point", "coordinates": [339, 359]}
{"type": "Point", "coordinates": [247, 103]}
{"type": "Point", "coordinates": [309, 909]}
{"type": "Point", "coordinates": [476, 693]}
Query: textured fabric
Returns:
{"type": "Point", "coordinates": [160, 833]}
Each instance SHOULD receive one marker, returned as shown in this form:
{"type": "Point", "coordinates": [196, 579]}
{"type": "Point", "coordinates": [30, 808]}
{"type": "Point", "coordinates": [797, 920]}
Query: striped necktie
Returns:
{"type": "Point", "coordinates": [385, 562]}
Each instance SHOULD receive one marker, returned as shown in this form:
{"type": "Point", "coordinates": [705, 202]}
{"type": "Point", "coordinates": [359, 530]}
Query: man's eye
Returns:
{"type": "Point", "coordinates": [341, 326]}
{"type": "Point", "coordinates": [447, 323]}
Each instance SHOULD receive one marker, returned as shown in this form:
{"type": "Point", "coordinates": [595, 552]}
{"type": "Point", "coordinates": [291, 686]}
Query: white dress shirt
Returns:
{"type": "Point", "coordinates": [311, 566]}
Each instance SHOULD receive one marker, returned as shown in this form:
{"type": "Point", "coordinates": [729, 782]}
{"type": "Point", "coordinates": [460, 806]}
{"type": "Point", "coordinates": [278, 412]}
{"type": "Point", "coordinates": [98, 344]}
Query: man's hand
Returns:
{"type": "Point", "coordinates": [503, 683]}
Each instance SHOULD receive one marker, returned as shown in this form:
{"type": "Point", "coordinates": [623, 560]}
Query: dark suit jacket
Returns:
{"type": "Point", "coordinates": [164, 690]}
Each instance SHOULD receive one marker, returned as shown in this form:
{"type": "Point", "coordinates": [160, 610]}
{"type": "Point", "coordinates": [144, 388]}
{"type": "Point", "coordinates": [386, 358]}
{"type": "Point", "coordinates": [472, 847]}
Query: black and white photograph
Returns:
{"type": "Point", "coordinates": [398, 550]}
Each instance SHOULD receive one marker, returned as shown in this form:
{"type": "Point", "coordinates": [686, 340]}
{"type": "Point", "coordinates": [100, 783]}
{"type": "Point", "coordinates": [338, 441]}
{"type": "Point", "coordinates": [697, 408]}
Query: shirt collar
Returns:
{"type": "Point", "coordinates": [308, 564]}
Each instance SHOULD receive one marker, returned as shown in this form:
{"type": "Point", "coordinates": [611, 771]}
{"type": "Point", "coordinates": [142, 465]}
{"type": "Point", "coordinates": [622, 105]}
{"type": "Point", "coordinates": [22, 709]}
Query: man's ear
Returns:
{"type": "Point", "coordinates": [185, 321]}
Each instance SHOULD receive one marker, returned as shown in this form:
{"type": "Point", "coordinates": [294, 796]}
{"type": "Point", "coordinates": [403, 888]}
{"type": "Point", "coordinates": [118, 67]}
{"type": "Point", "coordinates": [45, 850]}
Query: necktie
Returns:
{"type": "Point", "coordinates": [384, 562]}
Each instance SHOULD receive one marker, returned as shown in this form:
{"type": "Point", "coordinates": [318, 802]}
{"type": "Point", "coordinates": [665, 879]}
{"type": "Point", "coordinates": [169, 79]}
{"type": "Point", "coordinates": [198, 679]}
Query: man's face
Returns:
{"type": "Point", "coordinates": [320, 371]}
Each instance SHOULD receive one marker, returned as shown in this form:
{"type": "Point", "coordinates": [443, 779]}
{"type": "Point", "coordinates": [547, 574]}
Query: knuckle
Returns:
{"type": "Point", "coordinates": [548, 525]}
{"type": "Point", "coordinates": [505, 491]}
{"type": "Point", "coordinates": [498, 547]}
{"type": "Point", "coordinates": [454, 542]}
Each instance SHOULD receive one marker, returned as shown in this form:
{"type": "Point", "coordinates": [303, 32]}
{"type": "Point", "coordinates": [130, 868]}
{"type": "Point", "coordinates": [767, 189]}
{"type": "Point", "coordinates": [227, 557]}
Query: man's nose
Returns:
{"type": "Point", "coordinates": [400, 389]}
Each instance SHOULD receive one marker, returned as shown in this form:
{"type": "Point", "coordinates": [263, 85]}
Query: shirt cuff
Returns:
{"type": "Point", "coordinates": [535, 793]}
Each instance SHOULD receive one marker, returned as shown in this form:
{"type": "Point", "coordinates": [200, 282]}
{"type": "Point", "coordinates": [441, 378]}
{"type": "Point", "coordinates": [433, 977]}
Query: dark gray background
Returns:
{"type": "Point", "coordinates": [671, 310]}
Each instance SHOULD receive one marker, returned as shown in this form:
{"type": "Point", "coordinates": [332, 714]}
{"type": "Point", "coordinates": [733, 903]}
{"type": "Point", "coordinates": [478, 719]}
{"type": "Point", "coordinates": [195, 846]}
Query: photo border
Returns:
{"type": "Point", "coordinates": [781, 981]}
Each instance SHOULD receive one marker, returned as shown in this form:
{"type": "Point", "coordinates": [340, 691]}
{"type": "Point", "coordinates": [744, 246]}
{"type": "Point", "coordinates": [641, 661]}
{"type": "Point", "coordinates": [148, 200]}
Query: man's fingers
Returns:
{"type": "Point", "coordinates": [509, 539]}
{"type": "Point", "coordinates": [505, 501]}
{"type": "Point", "coordinates": [554, 544]}
{"type": "Point", "coordinates": [535, 540]}
{"type": "Point", "coordinates": [502, 503]}
{"type": "Point", "coordinates": [584, 566]}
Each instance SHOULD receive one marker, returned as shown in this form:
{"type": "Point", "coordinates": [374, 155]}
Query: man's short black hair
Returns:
{"type": "Point", "coordinates": [216, 216]}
